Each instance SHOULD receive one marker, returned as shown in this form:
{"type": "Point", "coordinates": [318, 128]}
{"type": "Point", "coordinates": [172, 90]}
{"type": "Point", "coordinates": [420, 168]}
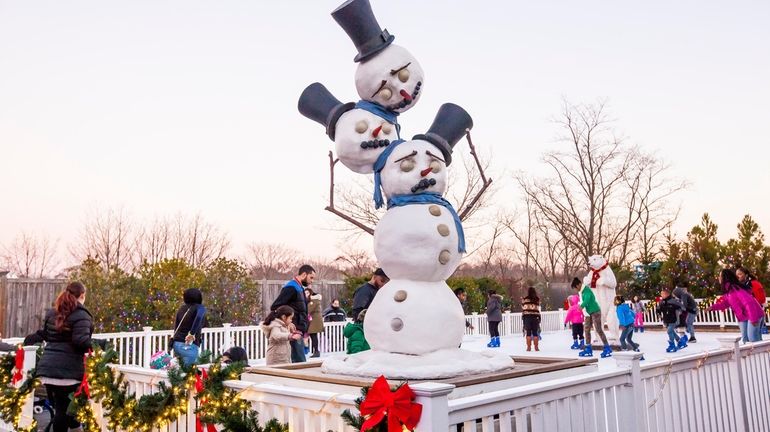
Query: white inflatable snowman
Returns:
{"type": "Point", "coordinates": [602, 282]}
{"type": "Point", "coordinates": [358, 134]}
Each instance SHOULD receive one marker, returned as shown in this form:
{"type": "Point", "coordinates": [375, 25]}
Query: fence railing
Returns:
{"type": "Point", "coordinates": [718, 390]}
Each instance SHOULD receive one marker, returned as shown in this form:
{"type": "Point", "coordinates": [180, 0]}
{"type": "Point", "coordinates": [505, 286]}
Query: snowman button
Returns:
{"type": "Point", "coordinates": [435, 210]}
{"type": "Point", "coordinates": [443, 230]}
{"type": "Point", "coordinates": [399, 296]}
{"type": "Point", "coordinates": [444, 256]}
{"type": "Point", "coordinates": [396, 324]}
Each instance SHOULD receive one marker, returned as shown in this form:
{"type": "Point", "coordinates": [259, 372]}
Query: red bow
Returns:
{"type": "Point", "coordinates": [397, 405]}
{"type": "Point", "coordinates": [84, 383]}
{"type": "Point", "coordinates": [18, 375]}
{"type": "Point", "coordinates": [595, 276]}
{"type": "Point", "coordinates": [199, 387]}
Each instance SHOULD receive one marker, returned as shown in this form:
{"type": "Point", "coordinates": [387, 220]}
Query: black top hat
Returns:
{"type": "Point", "coordinates": [358, 21]}
{"type": "Point", "coordinates": [450, 124]}
{"type": "Point", "coordinates": [318, 104]}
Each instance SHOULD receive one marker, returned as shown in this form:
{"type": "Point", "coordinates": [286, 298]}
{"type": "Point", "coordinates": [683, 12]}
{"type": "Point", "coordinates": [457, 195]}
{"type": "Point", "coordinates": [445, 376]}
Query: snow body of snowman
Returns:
{"type": "Point", "coordinates": [602, 282]}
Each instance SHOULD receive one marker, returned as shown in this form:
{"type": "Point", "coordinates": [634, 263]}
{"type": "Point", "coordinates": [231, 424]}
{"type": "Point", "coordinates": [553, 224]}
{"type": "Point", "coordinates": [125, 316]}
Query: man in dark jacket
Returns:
{"type": "Point", "coordinates": [293, 294]}
{"type": "Point", "coordinates": [690, 309]}
{"type": "Point", "coordinates": [334, 313]}
{"type": "Point", "coordinates": [365, 293]}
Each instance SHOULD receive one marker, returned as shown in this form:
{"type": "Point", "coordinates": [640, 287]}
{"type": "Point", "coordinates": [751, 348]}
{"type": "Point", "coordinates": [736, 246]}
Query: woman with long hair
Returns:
{"type": "Point", "coordinates": [757, 290]}
{"type": "Point", "coordinates": [737, 297]}
{"type": "Point", "coordinates": [530, 307]}
{"type": "Point", "coordinates": [189, 321]}
{"type": "Point", "coordinates": [67, 331]}
{"type": "Point", "coordinates": [316, 319]}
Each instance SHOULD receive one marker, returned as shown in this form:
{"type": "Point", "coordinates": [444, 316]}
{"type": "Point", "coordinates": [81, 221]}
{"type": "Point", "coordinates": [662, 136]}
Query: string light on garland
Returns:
{"type": "Point", "coordinates": [13, 399]}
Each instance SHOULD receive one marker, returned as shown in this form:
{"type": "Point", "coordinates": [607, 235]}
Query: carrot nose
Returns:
{"type": "Point", "coordinates": [426, 171]}
{"type": "Point", "coordinates": [376, 131]}
{"type": "Point", "coordinates": [405, 95]}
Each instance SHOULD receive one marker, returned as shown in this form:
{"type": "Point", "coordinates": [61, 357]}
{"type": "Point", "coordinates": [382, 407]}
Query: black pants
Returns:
{"type": "Point", "coordinates": [493, 329]}
{"type": "Point", "coordinates": [60, 398]}
{"type": "Point", "coordinates": [577, 331]}
{"type": "Point", "coordinates": [314, 343]}
{"type": "Point", "coordinates": [531, 325]}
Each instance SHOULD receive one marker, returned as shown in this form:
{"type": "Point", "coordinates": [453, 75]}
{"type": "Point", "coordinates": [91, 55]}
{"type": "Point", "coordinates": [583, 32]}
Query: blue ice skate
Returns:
{"type": "Point", "coordinates": [671, 347]}
{"type": "Point", "coordinates": [575, 345]}
{"type": "Point", "coordinates": [682, 342]}
{"type": "Point", "coordinates": [587, 352]}
{"type": "Point", "coordinates": [606, 352]}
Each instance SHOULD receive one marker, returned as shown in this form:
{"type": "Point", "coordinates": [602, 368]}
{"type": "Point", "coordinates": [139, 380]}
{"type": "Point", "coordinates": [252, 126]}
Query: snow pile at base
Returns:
{"type": "Point", "coordinates": [445, 363]}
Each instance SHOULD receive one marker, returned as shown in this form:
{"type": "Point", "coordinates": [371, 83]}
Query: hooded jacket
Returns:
{"type": "Point", "coordinates": [63, 353]}
{"type": "Point", "coordinates": [278, 347]}
{"type": "Point", "coordinates": [574, 314]}
{"type": "Point", "coordinates": [670, 308]}
{"type": "Point", "coordinates": [687, 300]}
{"type": "Point", "coordinates": [495, 308]}
{"type": "Point", "coordinates": [742, 302]}
{"type": "Point", "coordinates": [333, 314]}
{"type": "Point", "coordinates": [314, 311]}
{"type": "Point", "coordinates": [625, 315]}
{"type": "Point", "coordinates": [354, 332]}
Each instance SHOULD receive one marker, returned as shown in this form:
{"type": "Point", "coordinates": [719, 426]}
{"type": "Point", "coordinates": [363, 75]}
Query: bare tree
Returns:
{"type": "Point", "coordinates": [271, 261]}
{"type": "Point", "coordinates": [107, 237]}
{"type": "Point", "coordinates": [202, 242]}
{"type": "Point", "coordinates": [29, 256]}
{"type": "Point", "coordinates": [354, 262]}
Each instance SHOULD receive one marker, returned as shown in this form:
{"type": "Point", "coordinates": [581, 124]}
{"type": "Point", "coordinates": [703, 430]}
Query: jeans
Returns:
{"type": "Point", "coordinates": [690, 323]}
{"type": "Point", "coordinates": [494, 328]}
{"type": "Point", "coordinates": [672, 336]}
{"type": "Point", "coordinates": [60, 398]}
{"type": "Point", "coordinates": [750, 332]}
{"type": "Point", "coordinates": [297, 351]}
{"type": "Point", "coordinates": [188, 353]}
{"type": "Point", "coordinates": [628, 332]}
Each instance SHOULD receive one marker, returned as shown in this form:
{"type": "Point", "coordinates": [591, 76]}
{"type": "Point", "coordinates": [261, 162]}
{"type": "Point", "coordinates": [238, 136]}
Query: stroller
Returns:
{"type": "Point", "coordinates": [42, 408]}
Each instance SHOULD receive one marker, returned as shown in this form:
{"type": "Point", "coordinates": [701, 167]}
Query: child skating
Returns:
{"type": "Point", "coordinates": [593, 317]}
{"type": "Point", "coordinates": [575, 318]}
{"type": "Point", "coordinates": [670, 308]}
{"type": "Point", "coordinates": [626, 320]}
{"type": "Point", "coordinates": [638, 306]}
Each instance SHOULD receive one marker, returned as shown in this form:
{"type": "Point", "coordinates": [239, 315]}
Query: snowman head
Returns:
{"type": "Point", "coordinates": [595, 262]}
{"type": "Point", "coordinates": [360, 138]}
{"type": "Point", "coordinates": [393, 78]}
{"type": "Point", "coordinates": [414, 167]}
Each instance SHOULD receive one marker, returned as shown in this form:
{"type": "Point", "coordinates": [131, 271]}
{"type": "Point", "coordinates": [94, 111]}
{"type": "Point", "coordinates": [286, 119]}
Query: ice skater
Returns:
{"type": "Point", "coordinates": [626, 320]}
{"type": "Point", "coordinates": [670, 308]}
{"type": "Point", "coordinates": [593, 317]}
{"type": "Point", "coordinates": [575, 318]}
{"type": "Point", "coordinates": [638, 306]}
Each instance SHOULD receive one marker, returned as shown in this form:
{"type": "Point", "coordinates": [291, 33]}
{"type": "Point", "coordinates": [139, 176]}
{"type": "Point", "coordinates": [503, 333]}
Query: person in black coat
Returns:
{"type": "Point", "coordinates": [189, 321]}
{"type": "Point", "coordinates": [293, 295]}
{"type": "Point", "coordinates": [67, 331]}
{"type": "Point", "coordinates": [364, 294]}
{"type": "Point", "coordinates": [334, 313]}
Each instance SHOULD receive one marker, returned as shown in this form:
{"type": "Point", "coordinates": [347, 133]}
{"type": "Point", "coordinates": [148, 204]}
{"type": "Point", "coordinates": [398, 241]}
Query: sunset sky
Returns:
{"type": "Point", "coordinates": [162, 107]}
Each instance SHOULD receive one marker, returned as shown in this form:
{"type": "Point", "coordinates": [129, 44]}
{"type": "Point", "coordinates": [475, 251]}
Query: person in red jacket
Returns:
{"type": "Point", "coordinates": [757, 290]}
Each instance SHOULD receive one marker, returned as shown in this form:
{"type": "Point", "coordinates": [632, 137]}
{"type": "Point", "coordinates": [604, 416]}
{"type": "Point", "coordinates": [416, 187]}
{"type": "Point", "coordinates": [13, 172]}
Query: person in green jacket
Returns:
{"type": "Point", "coordinates": [593, 316]}
{"type": "Point", "coordinates": [354, 332]}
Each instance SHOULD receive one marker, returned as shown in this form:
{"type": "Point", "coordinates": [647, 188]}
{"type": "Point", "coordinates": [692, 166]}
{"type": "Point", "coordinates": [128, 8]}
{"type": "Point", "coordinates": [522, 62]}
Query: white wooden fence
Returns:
{"type": "Point", "coordinates": [721, 390]}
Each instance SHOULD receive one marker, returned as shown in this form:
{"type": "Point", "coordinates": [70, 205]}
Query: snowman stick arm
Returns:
{"type": "Point", "coordinates": [486, 182]}
{"type": "Point", "coordinates": [330, 208]}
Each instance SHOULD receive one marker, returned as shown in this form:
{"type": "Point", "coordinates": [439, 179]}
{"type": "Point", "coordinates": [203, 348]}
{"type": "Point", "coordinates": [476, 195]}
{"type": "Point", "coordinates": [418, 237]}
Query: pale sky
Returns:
{"type": "Point", "coordinates": [190, 106]}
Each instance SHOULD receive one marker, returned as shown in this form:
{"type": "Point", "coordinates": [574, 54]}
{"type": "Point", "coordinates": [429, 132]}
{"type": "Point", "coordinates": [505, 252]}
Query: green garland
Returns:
{"type": "Point", "coordinates": [12, 399]}
{"type": "Point", "coordinates": [123, 411]}
{"type": "Point", "coordinates": [357, 421]}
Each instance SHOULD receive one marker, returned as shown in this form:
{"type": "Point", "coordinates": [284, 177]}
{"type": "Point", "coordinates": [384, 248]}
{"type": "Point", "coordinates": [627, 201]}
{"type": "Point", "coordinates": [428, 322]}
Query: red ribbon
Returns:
{"type": "Point", "coordinates": [18, 375]}
{"type": "Point", "coordinates": [397, 405]}
{"type": "Point", "coordinates": [199, 387]}
{"type": "Point", "coordinates": [84, 383]}
{"type": "Point", "coordinates": [595, 276]}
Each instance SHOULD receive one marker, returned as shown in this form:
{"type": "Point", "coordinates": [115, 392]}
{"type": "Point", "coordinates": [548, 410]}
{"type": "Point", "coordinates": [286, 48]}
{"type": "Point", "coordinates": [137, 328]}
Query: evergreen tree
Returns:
{"type": "Point", "coordinates": [748, 250]}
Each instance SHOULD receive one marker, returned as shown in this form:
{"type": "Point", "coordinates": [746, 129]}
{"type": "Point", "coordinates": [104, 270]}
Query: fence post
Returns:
{"type": "Point", "coordinates": [736, 377]}
{"type": "Point", "coordinates": [27, 412]}
{"type": "Point", "coordinates": [721, 319]}
{"type": "Point", "coordinates": [227, 339]}
{"type": "Point", "coordinates": [637, 405]}
{"type": "Point", "coordinates": [475, 323]}
{"type": "Point", "coordinates": [146, 346]}
{"type": "Point", "coordinates": [434, 398]}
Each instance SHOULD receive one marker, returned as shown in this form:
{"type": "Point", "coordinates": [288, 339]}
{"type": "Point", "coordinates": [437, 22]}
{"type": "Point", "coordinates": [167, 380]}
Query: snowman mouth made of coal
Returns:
{"type": "Point", "coordinates": [407, 98]}
{"type": "Point", "coordinates": [374, 144]}
{"type": "Point", "coordinates": [423, 184]}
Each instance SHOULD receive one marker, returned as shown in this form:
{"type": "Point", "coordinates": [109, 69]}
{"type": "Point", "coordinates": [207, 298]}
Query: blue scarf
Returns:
{"type": "Point", "coordinates": [382, 112]}
{"type": "Point", "coordinates": [379, 164]}
{"type": "Point", "coordinates": [431, 198]}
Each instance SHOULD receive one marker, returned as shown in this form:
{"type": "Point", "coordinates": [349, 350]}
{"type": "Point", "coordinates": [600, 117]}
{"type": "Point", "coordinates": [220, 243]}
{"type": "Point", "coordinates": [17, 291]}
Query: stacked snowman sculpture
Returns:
{"type": "Point", "coordinates": [415, 323]}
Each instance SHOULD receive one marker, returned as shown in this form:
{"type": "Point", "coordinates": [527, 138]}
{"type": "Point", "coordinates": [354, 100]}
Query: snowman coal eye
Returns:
{"type": "Point", "coordinates": [435, 166]}
{"type": "Point", "coordinates": [387, 128]}
{"type": "Point", "coordinates": [407, 165]}
{"type": "Point", "coordinates": [362, 126]}
{"type": "Point", "coordinates": [403, 75]}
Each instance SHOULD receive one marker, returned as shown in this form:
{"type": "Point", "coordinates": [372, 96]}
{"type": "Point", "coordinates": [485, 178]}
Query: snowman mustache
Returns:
{"type": "Point", "coordinates": [408, 99]}
{"type": "Point", "coordinates": [423, 184]}
{"type": "Point", "coordinates": [374, 144]}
